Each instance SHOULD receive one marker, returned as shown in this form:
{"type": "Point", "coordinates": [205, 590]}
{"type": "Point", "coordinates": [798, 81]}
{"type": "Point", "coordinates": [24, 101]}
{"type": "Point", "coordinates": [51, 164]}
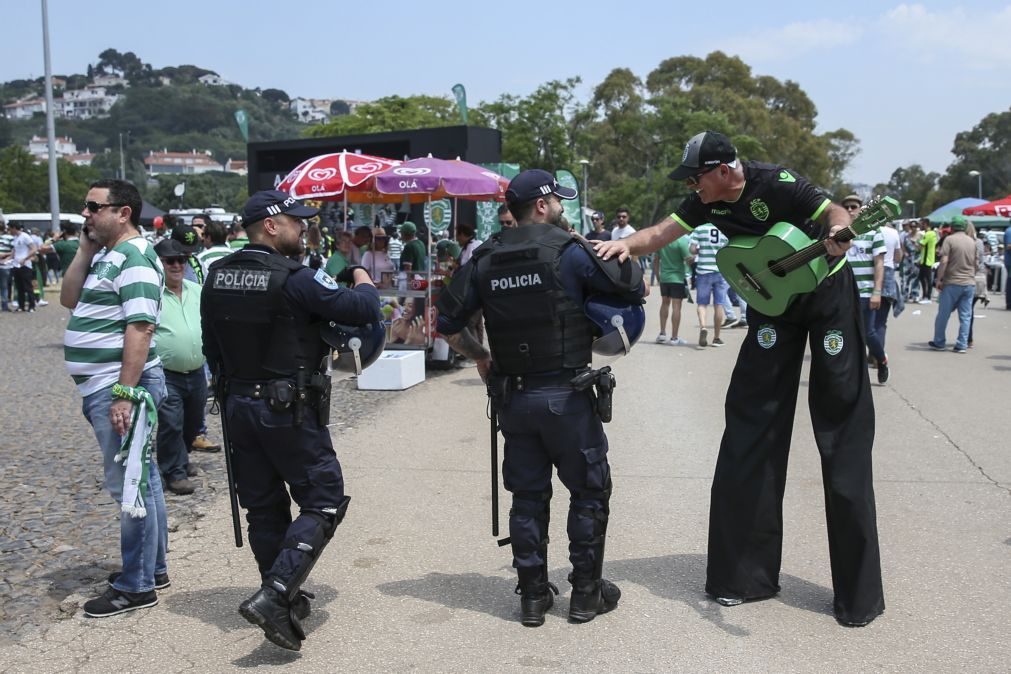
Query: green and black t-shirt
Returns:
{"type": "Point", "coordinates": [771, 194]}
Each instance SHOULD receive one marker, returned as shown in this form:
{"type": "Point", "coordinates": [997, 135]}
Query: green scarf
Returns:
{"type": "Point", "coordinates": [135, 452]}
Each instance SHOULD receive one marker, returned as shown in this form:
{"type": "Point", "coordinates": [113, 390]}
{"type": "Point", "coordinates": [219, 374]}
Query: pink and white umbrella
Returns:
{"type": "Point", "coordinates": [329, 176]}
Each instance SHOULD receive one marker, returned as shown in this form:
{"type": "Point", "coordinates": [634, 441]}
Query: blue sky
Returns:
{"type": "Point", "coordinates": [904, 77]}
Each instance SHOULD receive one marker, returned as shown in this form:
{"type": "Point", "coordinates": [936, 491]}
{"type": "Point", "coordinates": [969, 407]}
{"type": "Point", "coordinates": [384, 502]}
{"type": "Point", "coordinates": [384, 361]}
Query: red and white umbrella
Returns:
{"type": "Point", "coordinates": [328, 176]}
{"type": "Point", "coordinates": [1001, 207]}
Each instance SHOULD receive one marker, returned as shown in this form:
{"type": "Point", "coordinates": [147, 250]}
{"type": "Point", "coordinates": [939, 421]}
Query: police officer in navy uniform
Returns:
{"type": "Point", "coordinates": [531, 282]}
{"type": "Point", "coordinates": [262, 315]}
{"type": "Point", "coordinates": [746, 514]}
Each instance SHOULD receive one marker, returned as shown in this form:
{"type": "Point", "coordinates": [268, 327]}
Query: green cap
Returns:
{"type": "Point", "coordinates": [408, 228]}
{"type": "Point", "coordinates": [959, 223]}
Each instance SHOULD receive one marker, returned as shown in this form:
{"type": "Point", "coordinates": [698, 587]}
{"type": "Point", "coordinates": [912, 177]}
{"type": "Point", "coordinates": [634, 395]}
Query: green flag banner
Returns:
{"type": "Point", "coordinates": [243, 121]}
{"type": "Point", "coordinates": [573, 207]}
{"type": "Point", "coordinates": [461, 101]}
{"type": "Point", "coordinates": [438, 214]}
{"type": "Point", "coordinates": [487, 211]}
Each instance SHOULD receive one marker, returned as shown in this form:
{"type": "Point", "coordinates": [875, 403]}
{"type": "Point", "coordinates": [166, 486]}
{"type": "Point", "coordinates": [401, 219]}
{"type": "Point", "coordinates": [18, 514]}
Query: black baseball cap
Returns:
{"type": "Point", "coordinates": [170, 248]}
{"type": "Point", "coordinates": [186, 237]}
{"type": "Point", "coordinates": [266, 203]}
{"type": "Point", "coordinates": [534, 184]}
{"type": "Point", "coordinates": [709, 148]}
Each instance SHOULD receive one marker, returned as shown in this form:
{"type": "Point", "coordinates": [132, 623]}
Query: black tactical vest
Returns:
{"type": "Point", "coordinates": [257, 334]}
{"type": "Point", "coordinates": [533, 325]}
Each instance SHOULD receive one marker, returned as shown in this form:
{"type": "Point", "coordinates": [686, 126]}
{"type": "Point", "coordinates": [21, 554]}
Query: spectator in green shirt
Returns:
{"type": "Point", "coordinates": [414, 253]}
{"type": "Point", "coordinates": [179, 344]}
{"type": "Point", "coordinates": [66, 246]}
{"type": "Point", "coordinates": [341, 257]}
{"type": "Point", "coordinates": [672, 262]}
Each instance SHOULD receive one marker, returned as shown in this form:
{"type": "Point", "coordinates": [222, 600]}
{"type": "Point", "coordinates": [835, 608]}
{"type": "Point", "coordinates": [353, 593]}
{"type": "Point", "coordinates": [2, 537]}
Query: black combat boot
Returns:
{"type": "Point", "coordinates": [271, 612]}
{"type": "Point", "coordinates": [590, 598]}
{"type": "Point", "coordinates": [535, 596]}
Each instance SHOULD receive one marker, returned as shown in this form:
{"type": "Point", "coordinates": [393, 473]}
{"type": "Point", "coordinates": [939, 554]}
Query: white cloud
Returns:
{"type": "Point", "coordinates": [793, 40]}
{"type": "Point", "coordinates": [976, 39]}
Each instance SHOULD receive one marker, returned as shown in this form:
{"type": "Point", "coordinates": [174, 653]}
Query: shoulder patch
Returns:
{"type": "Point", "coordinates": [325, 280]}
{"type": "Point", "coordinates": [785, 177]}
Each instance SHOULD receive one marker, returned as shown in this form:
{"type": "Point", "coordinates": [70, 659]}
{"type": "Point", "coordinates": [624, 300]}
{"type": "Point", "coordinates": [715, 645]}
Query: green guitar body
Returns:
{"type": "Point", "coordinates": [745, 264]}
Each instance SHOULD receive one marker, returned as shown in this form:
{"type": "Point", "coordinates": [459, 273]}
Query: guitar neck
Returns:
{"type": "Point", "coordinates": [814, 251]}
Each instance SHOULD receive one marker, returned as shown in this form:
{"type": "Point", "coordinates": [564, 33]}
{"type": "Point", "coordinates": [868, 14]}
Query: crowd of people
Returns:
{"type": "Point", "coordinates": [154, 319]}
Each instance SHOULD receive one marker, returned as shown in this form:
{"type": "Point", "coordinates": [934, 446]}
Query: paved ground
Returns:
{"type": "Point", "coordinates": [413, 580]}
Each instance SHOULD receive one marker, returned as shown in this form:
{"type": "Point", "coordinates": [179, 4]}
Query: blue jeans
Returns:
{"type": "Point", "coordinates": [179, 420]}
{"type": "Point", "coordinates": [142, 540]}
{"type": "Point", "coordinates": [952, 298]}
{"type": "Point", "coordinates": [874, 342]}
{"type": "Point", "coordinates": [5, 287]}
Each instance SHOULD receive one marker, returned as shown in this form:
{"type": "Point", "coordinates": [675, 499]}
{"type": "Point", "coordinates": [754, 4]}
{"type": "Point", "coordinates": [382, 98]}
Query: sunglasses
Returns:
{"type": "Point", "coordinates": [852, 207]}
{"type": "Point", "coordinates": [95, 207]}
{"type": "Point", "coordinates": [173, 260]}
{"type": "Point", "coordinates": [694, 180]}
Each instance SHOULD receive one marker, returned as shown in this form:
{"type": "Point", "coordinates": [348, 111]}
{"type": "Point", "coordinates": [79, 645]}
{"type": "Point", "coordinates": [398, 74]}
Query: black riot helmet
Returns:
{"type": "Point", "coordinates": [355, 347]}
{"type": "Point", "coordinates": [618, 324]}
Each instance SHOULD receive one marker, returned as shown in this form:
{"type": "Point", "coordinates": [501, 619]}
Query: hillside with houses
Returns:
{"type": "Point", "coordinates": [124, 116]}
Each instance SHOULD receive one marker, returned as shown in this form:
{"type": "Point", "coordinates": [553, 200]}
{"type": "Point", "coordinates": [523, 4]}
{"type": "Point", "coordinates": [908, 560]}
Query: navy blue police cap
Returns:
{"type": "Point", "coordinates": [534, 184]}
{"type": "Point", "coordinates": [267, 203]}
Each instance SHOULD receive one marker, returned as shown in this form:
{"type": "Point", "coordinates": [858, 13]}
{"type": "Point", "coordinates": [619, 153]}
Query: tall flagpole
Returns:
{"type": "Point", "coordinates": [54, 187]}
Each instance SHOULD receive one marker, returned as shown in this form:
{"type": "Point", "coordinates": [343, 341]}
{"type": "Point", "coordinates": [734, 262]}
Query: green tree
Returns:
{"type": "Point", "coordinates": [914, 184]}
{"type": "Point", "coordinates": [24, 185]}
{"type": "Point", "coordinates": [392, 113]}
{"type": "Point", "coordinates": [985, 148]}
{"type": "Point", "coordinates": [274, 96]}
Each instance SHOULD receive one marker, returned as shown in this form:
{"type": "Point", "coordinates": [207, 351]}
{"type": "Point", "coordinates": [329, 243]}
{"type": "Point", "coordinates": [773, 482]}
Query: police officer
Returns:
{"type": "Point", "coordinates": [262, 316]}
{"type": "Point", "coordinates": [531, 281]}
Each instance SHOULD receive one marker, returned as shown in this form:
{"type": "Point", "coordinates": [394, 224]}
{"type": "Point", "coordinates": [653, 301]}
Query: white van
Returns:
{"type": "Point", "coordinates": [41, 221]}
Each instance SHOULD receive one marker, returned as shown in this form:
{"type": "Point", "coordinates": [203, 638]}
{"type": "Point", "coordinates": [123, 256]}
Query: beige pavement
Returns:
{"type": "Point", "coordinates": [414, 581]}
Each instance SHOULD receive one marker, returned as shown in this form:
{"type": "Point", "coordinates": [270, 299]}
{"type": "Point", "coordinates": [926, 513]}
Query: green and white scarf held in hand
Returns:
{"type": "Point", "coordinates": [135, 452]}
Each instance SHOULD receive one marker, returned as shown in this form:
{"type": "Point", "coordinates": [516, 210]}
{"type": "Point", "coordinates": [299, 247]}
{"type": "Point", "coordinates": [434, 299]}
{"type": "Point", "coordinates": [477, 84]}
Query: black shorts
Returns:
{"type": "Point", "coordinates": [678, 291]}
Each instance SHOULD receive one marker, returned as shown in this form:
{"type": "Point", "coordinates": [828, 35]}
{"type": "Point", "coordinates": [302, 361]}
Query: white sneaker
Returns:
{"type": "Point", "coordinates": [677, 341]}
{"type": "Point", "coordinates": [923, 302]}
{"type": "Point", "coordinates": [42, 303]}
{"type": "Point", "coordinates": [661, 338]}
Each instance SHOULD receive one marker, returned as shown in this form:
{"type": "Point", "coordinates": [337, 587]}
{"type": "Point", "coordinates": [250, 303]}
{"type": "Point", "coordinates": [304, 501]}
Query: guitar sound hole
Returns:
{"type": "Point", "coordinates": [776, 269]}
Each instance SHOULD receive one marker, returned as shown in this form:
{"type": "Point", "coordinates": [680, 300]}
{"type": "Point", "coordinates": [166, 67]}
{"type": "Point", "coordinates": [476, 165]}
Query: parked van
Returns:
{"type": "Point", "coordinates": [41, 221]}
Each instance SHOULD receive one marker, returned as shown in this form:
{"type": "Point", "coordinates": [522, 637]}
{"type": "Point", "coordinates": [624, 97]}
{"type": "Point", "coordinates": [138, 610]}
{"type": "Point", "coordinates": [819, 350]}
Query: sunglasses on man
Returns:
{"type": "Point", "coordinates": [95, 207]}
{"type": "Point", "coordinates": [173, 260]}
{"type": "Point", "coordinates": [692, 181]}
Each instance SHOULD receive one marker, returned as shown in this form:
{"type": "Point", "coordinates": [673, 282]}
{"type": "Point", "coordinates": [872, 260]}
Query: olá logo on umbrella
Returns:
{"type": "Point", "coordinates": [412, 171]}
{"type": "Point", "coordinates": [322, 173]}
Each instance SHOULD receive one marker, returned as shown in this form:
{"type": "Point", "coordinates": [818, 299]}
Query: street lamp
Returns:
{"type": "Point", "coordinates": [586, 190]}
{"type": "Point", "coordinates": [912, 205]}
{"type": "Point", "coordinates": [979, 182]}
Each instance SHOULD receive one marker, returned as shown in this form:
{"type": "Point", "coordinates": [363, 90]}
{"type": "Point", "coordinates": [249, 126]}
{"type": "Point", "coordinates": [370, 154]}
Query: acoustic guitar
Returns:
{"type": "Point", "coordinates": [770, 270]}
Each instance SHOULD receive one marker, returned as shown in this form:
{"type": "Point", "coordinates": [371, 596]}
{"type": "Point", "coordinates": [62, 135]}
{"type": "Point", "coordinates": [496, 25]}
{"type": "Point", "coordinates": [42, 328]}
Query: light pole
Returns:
{"type": "Point", "coordinates": [912, 204]}
{"type": "Point", "coordinates": [586, 190]}
{"type": "Point", "coordinates": [979, 182]}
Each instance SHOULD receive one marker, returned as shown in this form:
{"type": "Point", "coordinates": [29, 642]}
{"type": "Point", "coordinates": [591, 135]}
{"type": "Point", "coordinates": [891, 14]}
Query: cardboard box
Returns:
{"type": "Point", "coordinates": [394, 371]}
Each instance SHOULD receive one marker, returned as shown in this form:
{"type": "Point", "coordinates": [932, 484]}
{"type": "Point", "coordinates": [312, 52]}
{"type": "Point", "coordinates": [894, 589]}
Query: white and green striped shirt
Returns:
{"type": "Point", "coordinates": [206, 257]}
{"type": "Point", "coordinates": [709, 240]}
{"type": "Point", "coordinates": [861, 256]}
{"type": "Point", "coordinates": [124, 285]}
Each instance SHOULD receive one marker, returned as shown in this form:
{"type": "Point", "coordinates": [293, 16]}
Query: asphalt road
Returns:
{"type": "Point", "coordinates": [414, 581]}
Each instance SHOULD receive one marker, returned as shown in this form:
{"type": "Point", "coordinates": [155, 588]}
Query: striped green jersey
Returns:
{"type": "Point", "coordinates": [861, 256]}
{"type": "Point", "coordinates": [206, 257]}
{"type": "Point", "coordinates": [124, 285]}
{"type": "Point", "coordinates": [709, 241]}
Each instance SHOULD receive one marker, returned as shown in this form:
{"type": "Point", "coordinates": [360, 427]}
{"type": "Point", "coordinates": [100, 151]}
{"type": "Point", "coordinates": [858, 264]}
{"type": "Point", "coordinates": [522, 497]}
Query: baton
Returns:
{"type": "Point", "coordinates": [493, 416]}
{"type": "Point", "coordinates": [233, 499]}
